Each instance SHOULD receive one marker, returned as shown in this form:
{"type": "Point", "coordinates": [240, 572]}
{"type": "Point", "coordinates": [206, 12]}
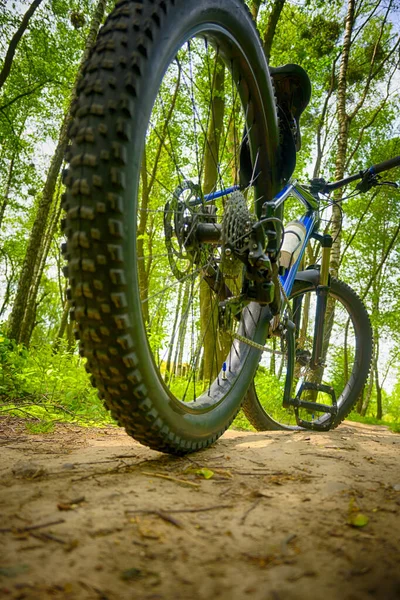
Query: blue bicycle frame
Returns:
{"type": "Point", "coordinates": [310, 219]}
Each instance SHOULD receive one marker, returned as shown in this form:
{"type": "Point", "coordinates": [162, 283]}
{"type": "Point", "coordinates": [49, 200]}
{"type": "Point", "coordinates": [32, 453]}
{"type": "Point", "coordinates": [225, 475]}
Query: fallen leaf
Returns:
{"type": "Point", "coordinates": [71, 505]}
{"type": "Point", "coordinates": [65, 506]}
{"type": "Point", "coordinates": [71, 545]}
{"type": "Point", "coordinates": [358, 520]}
{"type": "Point", "coordinates": [206, 473]}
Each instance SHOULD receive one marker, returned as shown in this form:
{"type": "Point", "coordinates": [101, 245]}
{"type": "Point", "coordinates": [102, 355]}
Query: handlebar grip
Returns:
{"type": "Point", "coordinates": [385, 165]}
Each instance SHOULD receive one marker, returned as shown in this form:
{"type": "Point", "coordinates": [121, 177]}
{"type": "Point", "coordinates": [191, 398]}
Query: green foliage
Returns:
{"type": "Point", "coordinates": [32, 106]}
{"type": "Point", "coordinates": [47, 385]}
{"type": "Point", "coordinates": [241, 423]}
{"type": "Point", "coordinates": [369, 420]}
{"type": "Point", "coordinates": [324, 31]}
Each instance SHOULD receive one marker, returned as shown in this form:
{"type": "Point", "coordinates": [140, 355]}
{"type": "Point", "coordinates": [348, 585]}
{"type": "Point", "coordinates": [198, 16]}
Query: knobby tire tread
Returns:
{"type": "Point", "coordinates": [95, 228]}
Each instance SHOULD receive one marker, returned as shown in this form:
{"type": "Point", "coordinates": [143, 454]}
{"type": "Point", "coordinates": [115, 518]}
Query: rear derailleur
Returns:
{"type": "Point", "coordinates": [192, 234]}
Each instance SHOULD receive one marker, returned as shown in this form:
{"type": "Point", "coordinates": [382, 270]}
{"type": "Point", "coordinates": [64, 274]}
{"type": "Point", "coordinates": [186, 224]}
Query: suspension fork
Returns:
{"type": "Point", "coordinates": [291, 359]}
{"type": "Point", "coordinates": [322, 290]}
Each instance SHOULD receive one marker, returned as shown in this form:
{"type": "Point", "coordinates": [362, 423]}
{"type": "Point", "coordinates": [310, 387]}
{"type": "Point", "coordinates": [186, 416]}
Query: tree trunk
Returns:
{"type": "Point", "coordinates": [208, 300]}
{"type": "Point", "coordinates": [63, 326]}
{"type": "Point", "coordinates": [4, 73]}
{"type": "Point", "coordinates": [169, 366]}
{"type": "Point", "coordinates": [141, 232]}
{"type": "Point", "coordinates": [336, 220]}
{"type": "Point", "coordinates": [343, 123]}
{"type": "Point", "coordinates": [41, 219]}
{"type": "Point", "coordinates": [6, 196]}
{"type": "Point", "coordinates": [272, 364]}
{"type": "Point", "coordinates": [28, 322]}
{"type": "Point", "coordinates": [346, 352]}
{"type": "Point", "coordinates": [360, 401]}
{"type": "Point", "coordinates": [254, 8]}
{"type": "Point", "coordinates": [379, 412]}
{"type": "Point", "coordinates": [271, 27]}
{"type": "Point", "coordinates": [146, 223]}
{"type": "Point", "coordinates": [186, 302]}
{"type": "Point", "coordinates": [9, 285]}
{"type": "Point", "coordinates": [369, 393]}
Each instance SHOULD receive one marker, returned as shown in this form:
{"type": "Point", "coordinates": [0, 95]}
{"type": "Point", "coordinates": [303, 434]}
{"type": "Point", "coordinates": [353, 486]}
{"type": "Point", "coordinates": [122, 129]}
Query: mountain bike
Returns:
{"type": "Point", "coordinates": [324, 349]}
{"type": "Point", "coordinates": [174, 218]}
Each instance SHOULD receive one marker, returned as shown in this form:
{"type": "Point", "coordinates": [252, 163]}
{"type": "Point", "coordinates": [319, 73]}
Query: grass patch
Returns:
{"type": "Point", "coordinates": [241, 423]}
{"type": "Point", "coordinates": [392, 425]}
{"type": "Point", "coordinates": [40, 427]}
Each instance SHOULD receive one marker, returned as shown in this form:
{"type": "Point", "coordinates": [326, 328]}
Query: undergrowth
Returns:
{"type": "Point", "coordinates": [47, 387]}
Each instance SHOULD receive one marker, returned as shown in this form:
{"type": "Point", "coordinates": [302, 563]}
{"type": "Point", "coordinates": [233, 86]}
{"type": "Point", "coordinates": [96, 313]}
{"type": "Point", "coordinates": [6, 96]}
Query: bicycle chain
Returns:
{"type": "Point", "coordinates": [286, 299]}
{"type": "Point", "coordinates": [253, 344]}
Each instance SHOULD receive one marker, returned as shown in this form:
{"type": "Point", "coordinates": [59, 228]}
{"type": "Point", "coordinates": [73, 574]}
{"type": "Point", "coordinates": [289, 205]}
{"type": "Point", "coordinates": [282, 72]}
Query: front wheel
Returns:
{"type": "Point", "coordinates": [167, 93]}
{"type": "Point", "coordinates": [347, 353]}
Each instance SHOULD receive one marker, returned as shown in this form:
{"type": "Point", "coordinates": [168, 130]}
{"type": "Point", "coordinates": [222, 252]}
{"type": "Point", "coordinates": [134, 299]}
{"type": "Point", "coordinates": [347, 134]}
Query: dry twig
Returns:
{"type": "Point", "coordinates": [252, 507]}
{"type": "Point", "coordinates": [30, 527]}
{"type": "Point", "coordinates": [162, 476]}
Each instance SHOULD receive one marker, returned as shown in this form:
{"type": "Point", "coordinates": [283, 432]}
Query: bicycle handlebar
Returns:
{"type": "Point", "coordinates": [385, 165]}
{"type": "Point", "coordinates": [374, 170]}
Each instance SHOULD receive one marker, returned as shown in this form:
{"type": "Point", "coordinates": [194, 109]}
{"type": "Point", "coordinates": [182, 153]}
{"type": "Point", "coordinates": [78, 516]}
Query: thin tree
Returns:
{"type": "Point", "coordinates": [42, 215]}
{"type": "Point", "coordinates": [5, 71]}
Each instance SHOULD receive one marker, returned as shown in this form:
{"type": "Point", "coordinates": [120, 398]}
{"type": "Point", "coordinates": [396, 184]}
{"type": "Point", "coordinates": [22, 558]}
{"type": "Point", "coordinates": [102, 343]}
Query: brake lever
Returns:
{"type": "Point", "coordinates": [368, 181]}
{"type": "Point", "coordinates": [390, 183]}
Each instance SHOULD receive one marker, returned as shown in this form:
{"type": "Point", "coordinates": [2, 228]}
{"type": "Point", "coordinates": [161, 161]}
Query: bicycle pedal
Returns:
{"type": "Point", "coordinates": [310, 406]}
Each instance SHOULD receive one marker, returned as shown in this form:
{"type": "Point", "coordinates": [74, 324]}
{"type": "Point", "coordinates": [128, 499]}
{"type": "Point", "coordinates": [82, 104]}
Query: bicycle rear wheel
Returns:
{"type": "Point", "coordinates": [159, 121]}
{"type": "Point", "coordinates": [347, 360]}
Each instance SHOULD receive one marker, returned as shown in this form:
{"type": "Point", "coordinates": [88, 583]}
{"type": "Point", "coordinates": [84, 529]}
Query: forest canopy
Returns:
{"type": "Point", "coordinates": [351, 51]}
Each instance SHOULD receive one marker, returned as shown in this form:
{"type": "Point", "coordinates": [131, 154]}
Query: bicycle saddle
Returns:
{"type": "Point", "coordinates": [293, 93]}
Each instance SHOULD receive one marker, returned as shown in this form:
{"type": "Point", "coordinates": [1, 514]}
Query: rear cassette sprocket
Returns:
{"type": "Point", "coordinates": [236, 227]}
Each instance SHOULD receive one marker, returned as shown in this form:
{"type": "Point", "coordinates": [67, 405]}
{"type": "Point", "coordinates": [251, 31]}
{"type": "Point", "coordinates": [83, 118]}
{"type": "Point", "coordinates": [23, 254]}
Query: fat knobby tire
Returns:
{"type": "Point", "coordinates": [110, 115]}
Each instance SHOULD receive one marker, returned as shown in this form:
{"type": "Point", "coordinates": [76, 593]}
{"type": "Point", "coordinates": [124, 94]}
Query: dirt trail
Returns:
{"type": "Point", "coordinates": [89, 514]}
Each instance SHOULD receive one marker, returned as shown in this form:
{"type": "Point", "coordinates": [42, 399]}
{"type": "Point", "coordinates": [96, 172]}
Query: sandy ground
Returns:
{"type": "Point", "coordinates": [91, 514]}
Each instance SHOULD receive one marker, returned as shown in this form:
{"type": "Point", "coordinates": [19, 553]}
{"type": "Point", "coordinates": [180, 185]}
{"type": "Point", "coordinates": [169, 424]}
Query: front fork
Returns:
{"type": "Point", "coordinates": [323, 288]}
{"type": "Point", "coordinates": [293, 328]}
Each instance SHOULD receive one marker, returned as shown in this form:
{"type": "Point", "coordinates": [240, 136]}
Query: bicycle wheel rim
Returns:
{"type": "Point", "coordinates": [342, 361]}
{"type": "Point", "coordinates": [202, 396]}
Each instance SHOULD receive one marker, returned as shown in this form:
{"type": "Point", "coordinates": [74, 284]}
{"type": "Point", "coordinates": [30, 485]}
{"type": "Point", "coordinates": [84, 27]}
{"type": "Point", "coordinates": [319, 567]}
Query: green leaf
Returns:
{"type": "Point", "coordinates": [358, 520]}
{"type": "Point", "coordinates": [206, 473]}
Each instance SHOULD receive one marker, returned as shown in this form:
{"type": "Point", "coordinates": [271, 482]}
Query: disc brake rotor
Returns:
{"type": "Point", "coordinates": [180, 219]}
